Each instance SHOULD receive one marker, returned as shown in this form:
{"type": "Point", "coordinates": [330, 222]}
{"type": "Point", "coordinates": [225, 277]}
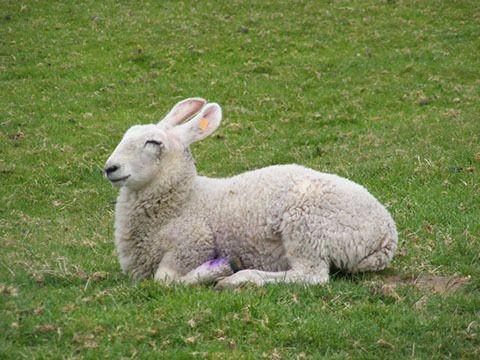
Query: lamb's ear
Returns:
{"type": "Point", "coordinates": [182, 111]}
{"type": "Point", "coordinates": [202, 125]}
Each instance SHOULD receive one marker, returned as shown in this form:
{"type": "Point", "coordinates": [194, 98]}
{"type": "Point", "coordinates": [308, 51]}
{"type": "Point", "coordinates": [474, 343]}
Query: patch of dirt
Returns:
{"type": "Point", "coordinates": [8, 290]}
{"type": "Point", "coordinates": [431, 283]}
{"type": "Point", "coordinates": [86, 340]}
{"type": "Point", "coordinates": [46, 328]}
{"type": "Point", "coordinates": [17, 136]}
{"type": "Point", "coordinates": [387, 290]}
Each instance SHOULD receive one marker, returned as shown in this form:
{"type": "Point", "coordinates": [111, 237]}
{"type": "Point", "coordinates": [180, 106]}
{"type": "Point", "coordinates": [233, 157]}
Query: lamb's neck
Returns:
{"type": "Point", "coordinates": [159, 203]}
{"type": "Point", "coordinates": [169, 203]}
{"type": "Point", "coordinates": [139, 219]}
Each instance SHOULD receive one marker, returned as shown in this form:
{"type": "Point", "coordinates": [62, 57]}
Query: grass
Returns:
{"type": "Point", "coordinates": [385, 93]}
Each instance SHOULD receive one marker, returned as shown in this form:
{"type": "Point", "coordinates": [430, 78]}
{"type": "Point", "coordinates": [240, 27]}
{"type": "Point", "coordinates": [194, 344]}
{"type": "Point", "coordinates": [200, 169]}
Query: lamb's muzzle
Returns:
{"type": "Point", "coordinates": [111, 169]}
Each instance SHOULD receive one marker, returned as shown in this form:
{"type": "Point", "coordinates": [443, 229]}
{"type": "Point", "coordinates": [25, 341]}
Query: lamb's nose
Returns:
{"type": "Point", "coordinates": [111, 169]}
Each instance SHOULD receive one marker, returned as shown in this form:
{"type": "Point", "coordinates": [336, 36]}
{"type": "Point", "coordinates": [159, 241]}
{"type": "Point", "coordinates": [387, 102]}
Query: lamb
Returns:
{"type": "Point", "coordinates": [283, 223]}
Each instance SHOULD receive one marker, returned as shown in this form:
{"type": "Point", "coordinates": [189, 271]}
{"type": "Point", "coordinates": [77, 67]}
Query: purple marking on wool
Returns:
{"type": "Point", "coordinates": [217, 262]}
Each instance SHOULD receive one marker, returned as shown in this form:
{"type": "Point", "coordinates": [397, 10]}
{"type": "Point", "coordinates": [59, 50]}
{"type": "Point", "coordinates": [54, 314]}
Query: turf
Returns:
{"type": "Point", "coordinates": [385, 93]}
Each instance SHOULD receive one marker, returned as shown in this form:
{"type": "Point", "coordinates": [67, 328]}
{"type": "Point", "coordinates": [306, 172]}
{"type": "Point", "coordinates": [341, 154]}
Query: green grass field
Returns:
{"type": "Point", "coordinates": [386, 93]}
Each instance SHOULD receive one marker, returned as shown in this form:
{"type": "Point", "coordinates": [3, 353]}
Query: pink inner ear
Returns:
{"type": "Point", "coordinates": [187, 109]}
{"type": "Point", "coordinates": [209, 112]}
{"type": "Point", "coordinates": [184, 110]}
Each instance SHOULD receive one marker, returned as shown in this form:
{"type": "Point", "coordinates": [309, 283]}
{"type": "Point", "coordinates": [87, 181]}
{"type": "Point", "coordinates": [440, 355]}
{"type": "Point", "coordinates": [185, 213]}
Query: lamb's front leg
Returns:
{"type": "Point", "coordinates": [191, 245]}
{"type": "Point", "coordinates": [209, 272]}
{"type": "Point", "coordinates": [168, 271]}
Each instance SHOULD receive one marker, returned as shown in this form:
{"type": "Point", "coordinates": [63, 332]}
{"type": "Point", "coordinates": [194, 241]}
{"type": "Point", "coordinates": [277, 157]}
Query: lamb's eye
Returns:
{"type": "Point", "coordinates": [153, 142]}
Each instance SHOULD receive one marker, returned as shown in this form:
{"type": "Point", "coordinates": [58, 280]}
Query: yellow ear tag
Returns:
{"type": "Point", "coordinates": [203, 124]}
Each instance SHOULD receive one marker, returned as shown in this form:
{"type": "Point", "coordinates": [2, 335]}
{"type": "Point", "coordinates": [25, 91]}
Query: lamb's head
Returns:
{"type": "Point", "coordinates": [160, 151]}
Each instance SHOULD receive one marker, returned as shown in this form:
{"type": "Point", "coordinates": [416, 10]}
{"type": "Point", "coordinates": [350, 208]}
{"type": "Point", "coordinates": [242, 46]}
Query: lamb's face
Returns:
{"type": "Point", "coordinates": [138, 157]}
{"type": "Point", "coordinates": [148, 152]}
{"type": "Point", "coordinates": [135, 160]}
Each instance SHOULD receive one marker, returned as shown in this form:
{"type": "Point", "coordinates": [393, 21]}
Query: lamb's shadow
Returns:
{"type": "Point", "coordinates": [338, 274]}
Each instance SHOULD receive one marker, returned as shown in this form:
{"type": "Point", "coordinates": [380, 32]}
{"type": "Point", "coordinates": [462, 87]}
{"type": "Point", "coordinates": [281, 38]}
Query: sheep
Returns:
{"type": "Point", "coordinates": [282, 223]}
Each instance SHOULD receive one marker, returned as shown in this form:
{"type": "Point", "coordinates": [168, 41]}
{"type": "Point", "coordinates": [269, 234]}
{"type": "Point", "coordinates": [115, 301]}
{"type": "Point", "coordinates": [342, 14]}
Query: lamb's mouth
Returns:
{"type": "Point", "coordinates": [119, 179]}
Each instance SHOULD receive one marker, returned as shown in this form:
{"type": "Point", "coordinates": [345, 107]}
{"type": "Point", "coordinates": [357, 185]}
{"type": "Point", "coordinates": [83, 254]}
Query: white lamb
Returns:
{"type": "Point", "coordinates": [282, 223]}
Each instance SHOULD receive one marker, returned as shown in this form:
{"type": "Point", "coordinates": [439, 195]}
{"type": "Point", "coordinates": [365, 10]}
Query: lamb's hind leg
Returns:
{"type": "Point", "coordinates": [379, 258]}
{"type": "Point", "coordinates": [302, 239]}
{"type": "Point", "coordinates": [317, 274]}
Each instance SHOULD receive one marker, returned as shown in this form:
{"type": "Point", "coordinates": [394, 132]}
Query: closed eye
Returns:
{"type": "Point", "coordinates": [154, 142]}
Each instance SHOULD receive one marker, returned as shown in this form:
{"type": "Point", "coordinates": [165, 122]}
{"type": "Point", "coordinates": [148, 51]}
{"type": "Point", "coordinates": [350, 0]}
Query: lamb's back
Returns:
{"type": "Point", "coordinates": [270, 190]}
